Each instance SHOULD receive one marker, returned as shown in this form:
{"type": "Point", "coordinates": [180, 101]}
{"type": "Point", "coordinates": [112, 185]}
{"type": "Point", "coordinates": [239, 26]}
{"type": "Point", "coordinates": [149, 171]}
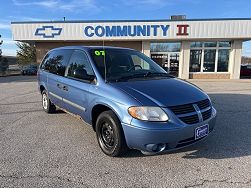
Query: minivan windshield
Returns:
{"type": "Point", "coordinates": [125, 64]}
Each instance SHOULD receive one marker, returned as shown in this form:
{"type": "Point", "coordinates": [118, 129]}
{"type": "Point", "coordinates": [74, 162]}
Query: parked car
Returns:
{"type": "Point", "coordinates": [128, 99]}
{"type": "Point", "coordinates": [29, 70]}
{"type": "Point", "coordinates": [245, 71]}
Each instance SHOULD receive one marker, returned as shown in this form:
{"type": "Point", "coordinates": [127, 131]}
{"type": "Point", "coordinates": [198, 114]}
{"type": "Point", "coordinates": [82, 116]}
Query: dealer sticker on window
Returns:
{"type": "Point", "coordinates": [201, 131]}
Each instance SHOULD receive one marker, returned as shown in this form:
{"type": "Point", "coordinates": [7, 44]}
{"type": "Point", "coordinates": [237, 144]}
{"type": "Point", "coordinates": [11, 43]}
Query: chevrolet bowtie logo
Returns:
{"type": "Point", "coordinates": [48, 31]}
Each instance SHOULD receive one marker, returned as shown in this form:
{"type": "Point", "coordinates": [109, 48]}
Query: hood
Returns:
{"type": "Point", "coordinates": [162, 92]}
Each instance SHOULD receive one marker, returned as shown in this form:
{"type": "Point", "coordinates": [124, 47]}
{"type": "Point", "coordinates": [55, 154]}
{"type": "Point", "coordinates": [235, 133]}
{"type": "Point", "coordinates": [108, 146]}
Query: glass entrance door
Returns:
{"type": "Point", "coordinates": [168, 61]}
{"type": "Point", "coordinates": [174, 64]}
{"type": "Point", "coordinates": [167, 56]}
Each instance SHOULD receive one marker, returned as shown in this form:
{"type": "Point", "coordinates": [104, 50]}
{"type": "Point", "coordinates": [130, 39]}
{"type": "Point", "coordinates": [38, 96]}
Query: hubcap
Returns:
{"type": "Point", "coordinates": [107, 135]}
{"type": "Point", "coordinates": [44, 101]}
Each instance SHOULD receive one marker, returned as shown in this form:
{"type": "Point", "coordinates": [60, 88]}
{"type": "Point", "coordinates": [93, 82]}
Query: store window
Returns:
{"type": "Point", "coordinates": [196, 44]}
{"type": "Point", "coordinates": [209, 60]}
{"type": "Point", "coordinates": [166, 54]}
{"type": "Point", "coordinates": [165, 47]}
{"type": "Point", "coordinates": [210, 44]}
{"type": "Point", "coordinates": [195, 60]}
{"type": "Point", "coordinates": [225, 44]}
{"type": "Point", "coordinates": [223, 59]}
{"type": "Point", "coordinates": [209, 56]}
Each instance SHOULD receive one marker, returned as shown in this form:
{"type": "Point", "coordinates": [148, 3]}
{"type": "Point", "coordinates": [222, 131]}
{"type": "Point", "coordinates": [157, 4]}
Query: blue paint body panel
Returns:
{"type": "Point", "coordinates": [82, 97]}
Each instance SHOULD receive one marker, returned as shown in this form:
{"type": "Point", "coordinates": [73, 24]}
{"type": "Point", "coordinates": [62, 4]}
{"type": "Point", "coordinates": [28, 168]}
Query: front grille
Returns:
{"type": "Point", "coordinates": [203, 104]}
{"type": "Point", "coordinates": [190, 119]}
{"type": "Point", "coordinates": [182, 109]}
{"type": "Point", "coordinates": [207, 114]}
{"type": "Point", "coordinates": [188, 114]}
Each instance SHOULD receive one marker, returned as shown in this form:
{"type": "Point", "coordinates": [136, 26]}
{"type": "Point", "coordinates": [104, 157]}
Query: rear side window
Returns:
{"type": "Point", "coordinates": [56, 61]}
{"type": "Point", "coordinates": [79, 64]}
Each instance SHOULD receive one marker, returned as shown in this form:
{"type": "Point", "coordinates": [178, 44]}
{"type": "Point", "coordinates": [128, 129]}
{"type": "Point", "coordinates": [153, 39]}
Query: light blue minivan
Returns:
{"type": "Point", "coordinates": [128, 99]}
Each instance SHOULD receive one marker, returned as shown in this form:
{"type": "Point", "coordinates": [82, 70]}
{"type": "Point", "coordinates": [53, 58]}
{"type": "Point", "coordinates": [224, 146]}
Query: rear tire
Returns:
{"type": "Point", "coordinates": [47, 105]}
{"type": "Point", "coordinates": [110, 135]}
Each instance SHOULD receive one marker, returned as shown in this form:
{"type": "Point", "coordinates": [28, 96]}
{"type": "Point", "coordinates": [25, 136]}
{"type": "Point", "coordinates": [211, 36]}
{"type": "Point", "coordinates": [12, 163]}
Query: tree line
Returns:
{"type": "Point", "coordinates": [245, 60]}
{"type": "Point", "coordinates": [26, 54]}
{"type": "Point", "coordinates": [4, 65]}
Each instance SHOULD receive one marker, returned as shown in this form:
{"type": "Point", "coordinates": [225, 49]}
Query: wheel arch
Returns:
{"type": "Point", "coordinates": [42, 87]}
{"type": "Point", "coordinates": [98, 109]}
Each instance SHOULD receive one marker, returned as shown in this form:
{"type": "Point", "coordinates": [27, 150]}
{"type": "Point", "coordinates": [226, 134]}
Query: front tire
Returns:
{"type": "Point", "coordinates": [47, 105]}
{"type": "Point", "coordinates": [110, 135]}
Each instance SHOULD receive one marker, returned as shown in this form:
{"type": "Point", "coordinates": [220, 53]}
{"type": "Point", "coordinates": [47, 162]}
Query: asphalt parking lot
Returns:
{"type": "Point", "coordinates": [59, 150]}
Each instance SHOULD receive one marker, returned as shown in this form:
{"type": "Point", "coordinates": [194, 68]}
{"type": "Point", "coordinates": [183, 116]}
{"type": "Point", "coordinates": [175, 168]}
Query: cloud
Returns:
{"type": "Point", "coordinates": [4, 26]}
{"type": "Point", "coordinates": [73, 5]}
{"type": "Point", "coordinates": [45, 3]}
{"type": "Point", "coordinates": [146, 2]}
{"type": "Point", "coordinates": [25, 18]}
{"type": "Point", "coordinates": [83, 4]}
{"type": "Point", "coordinates": [8, 47]}
{"type": "Point", "coordinates": [8, 41]}
{"type": "Point", "coordinates": [9, 52]}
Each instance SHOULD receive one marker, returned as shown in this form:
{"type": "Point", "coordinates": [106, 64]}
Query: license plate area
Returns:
{"type": "Point", "coordinates": [201, 131]}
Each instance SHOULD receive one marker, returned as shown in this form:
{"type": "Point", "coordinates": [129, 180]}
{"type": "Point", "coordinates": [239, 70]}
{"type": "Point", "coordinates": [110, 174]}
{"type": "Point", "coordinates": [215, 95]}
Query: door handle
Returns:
{"type": "Point", "coordinates": [59, 86]}
{"type": "Point", "coordinates": [65, 88]}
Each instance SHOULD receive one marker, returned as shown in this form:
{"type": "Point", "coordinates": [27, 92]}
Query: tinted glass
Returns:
{"type": "Point", "coordinates": [225, 44]}
{"type": "Point", "coordinates": [195, 60]}
{"type": "Point", "coordinates": [223, 58]}
{"type": "Point", "coordinates": [196, 44]}
{"type": "Point", "coordinates": [209, 60]}
{"type": "Point", "coordinates": [44, 65]}
{"type": "Point", "coordinates": [165, 47]}
{"type": "Point", "coordinates": [56, 61]}
{"type": "Point", "coordinates": [120, 63]}
{"type": "Point", "coordinates": [79, 66]}
{"type": "Point", "coordinates": [210, 44]}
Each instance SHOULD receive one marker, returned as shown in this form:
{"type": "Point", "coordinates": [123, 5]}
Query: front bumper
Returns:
{"type": "Point", "coordinates": [170, 135]}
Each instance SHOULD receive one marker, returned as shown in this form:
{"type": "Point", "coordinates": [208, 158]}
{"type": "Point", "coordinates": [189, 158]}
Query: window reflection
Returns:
{"type": "Point", "coordinates": [165, 47]}
{"type": "Point", "coordinates": [223, 59]}
{"type": "Point", "coordinates": [196, 44]}
{"type": "Point", "coordinates": [195, 60]}
{"type": "Point", "coordinates": [209, 60]}
{"type": "Point", "coordinates": [210, 44]}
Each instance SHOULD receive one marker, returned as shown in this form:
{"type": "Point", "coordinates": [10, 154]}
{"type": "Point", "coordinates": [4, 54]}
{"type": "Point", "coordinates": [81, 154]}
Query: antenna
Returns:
{"type": "Point", "coordinates": [104, 60]}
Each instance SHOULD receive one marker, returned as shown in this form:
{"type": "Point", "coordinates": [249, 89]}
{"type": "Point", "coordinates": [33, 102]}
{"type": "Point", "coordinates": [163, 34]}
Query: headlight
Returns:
{"type": "Point", "coordinates": [148, 113]}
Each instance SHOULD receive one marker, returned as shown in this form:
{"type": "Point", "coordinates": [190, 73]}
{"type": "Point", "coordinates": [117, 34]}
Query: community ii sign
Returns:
{"type": "Point", "coordinates": [126, 30]}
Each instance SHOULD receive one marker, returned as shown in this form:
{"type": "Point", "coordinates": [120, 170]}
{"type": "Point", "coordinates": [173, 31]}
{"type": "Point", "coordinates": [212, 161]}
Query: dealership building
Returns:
{"type": "Point", "coordinates": [188, 48]}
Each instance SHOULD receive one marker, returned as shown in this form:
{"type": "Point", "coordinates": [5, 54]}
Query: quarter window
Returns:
{"type": "Point", "coordinates": [55, 61]}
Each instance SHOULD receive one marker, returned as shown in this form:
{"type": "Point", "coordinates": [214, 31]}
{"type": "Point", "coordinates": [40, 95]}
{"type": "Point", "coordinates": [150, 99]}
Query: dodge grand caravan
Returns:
{"type": "Point", "coordinates": [128, 99]}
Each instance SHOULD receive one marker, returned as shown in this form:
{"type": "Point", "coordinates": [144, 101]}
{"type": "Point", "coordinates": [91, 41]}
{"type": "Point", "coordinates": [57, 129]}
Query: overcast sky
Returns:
{"type": "Point", "coordinates": [28, 10]}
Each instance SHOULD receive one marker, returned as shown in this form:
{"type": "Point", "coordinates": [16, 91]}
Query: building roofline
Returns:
{"type": "Point", "coordinates": [106, 21]}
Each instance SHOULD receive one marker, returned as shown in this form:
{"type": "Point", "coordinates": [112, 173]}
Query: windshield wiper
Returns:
{"type": "Point", "coordinates": [144, 75]}
{"type": "Point", "coordinates": [158, 74]}
{"type": "Point", "coordinates": [130, 77]}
